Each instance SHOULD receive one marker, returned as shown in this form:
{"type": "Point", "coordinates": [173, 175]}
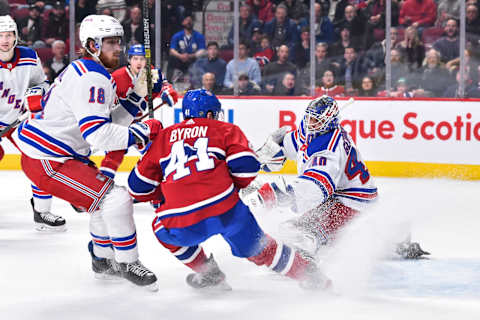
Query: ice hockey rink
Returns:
{"type": "Point", "coordinates": [48, 276]}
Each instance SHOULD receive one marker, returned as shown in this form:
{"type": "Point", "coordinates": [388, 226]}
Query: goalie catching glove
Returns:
{"type": "Point", "coordinates": [272, 155]}
{"type": "Point", "coordinates": [268, 195]}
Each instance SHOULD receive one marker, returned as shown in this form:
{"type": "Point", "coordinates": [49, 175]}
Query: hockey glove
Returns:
{"type": "Point", "coordinates": [272, 155]}
{"type": "Point", "coordinates": [33, 98]}
{"type": "Point", "coordinates": [169, 95]}
{"type": "Point", "coordinates": [269, 195]}
{"type": "Point", "coordinates": [140, 86]}
{"type": "Point", "coordinates": [144, 132]}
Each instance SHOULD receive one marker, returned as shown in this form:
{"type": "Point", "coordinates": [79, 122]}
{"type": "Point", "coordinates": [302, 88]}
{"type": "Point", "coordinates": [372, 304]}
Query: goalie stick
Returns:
{"type": "Point", "coordinates": [148, 56]}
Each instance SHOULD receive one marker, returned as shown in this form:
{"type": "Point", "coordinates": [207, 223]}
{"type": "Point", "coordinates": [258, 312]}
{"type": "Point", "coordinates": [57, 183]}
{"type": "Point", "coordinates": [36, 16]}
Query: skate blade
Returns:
{"type": "Point", "coordinates": [151, 287]}
{"type": "Point", "coordinates": [45, 228]}
{"type": "Point", "coordinates": [107, 277]}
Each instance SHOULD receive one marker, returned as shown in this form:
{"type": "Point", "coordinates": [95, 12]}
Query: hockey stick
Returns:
{"type": "Point", "coordinates": [14, 124]}
{"type": "Point", "coordinates": [148, 56]}
{"type": "Point", "coordinates": [154, 109]}
{"type": "Point", "coordinates": [348, 103]}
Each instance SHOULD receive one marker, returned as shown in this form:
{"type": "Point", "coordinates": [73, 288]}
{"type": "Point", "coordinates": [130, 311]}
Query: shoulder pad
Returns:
{"type": "Point", "coordinates": [83, 66]}
{"type": "Point", "coordinates": [26, 52]}
{"type": "Point", "coordinates": [327, 141]}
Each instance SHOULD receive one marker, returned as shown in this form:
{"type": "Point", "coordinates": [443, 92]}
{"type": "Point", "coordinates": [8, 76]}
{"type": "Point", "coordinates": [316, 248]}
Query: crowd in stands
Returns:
{"type": "Point", "coordinates": [274, 49]}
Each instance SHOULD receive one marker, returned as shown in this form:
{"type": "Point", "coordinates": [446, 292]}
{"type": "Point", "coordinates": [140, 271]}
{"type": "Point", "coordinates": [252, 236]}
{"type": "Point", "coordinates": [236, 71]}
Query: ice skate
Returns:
{"type": "Point", "coordinates": [47, 221]}
{"type": "Point", "coordinates": [314, 279]}
{"type": "Point", "coordinates": [411, 250]}
{"type": "Point", "coordinates": [138, 274]}
{"type": "Point", "coordinates": [211, 278]}
{"type": "Point", "coordinates": [103, 268]}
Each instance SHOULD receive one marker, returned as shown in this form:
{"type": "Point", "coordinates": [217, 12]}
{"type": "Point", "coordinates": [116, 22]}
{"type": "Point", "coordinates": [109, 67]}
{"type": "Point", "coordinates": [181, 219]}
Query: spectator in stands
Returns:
{"type": "Point", "coordinates": [322, 63]}
{"type": "Point", "coordinates": [282, 30]}
{"type": "Point", "coordinates": [255, 43]}
{"type": "Point", "coordinates": [118, 7]}
{"type": "Point", "coordinates": [296, 9]}
{"type": "Point", "coordinates": [412, 49]}
{"type": "Point", "coordinates": [107, 12]}
{"type": "Point", "coordinates": [418, 13]}
{"type": "Point", "coordinates": [368, 88]}
{"type": "Point", "coordinates": [265, 55]}
{"type": "Point", "coordinates": [472, 21]}
{"type": "Point", "coordinates": [48, 72]}
{"type": "Point", "coordinates": [471, 64]}
{"type": "Point", "coordinates": [355, 22]}
{"type": "Point", "coordinates": [286, 87]}
{"type": "Point", "coordinates": [329, 86]}
{"type": "Point", "coordinates": [375, 56]}
{"type": "Point", "coordinates": [209, 83]}
{"type": "Point", "coordinates": [302, 51]}
{"type": "Point", "coordinates": [59, 61]}
{"type": "Point", "coordinates": [336, 9]}
{"type": "Point", "coordinates": [338, 48]}
{"type": "Point", "coordinates": [30, 28]}
{"type": "Point", "coordinates": [211, 64]}
{"type": "Point", "coordinates": [449, 45]}
{"type": "Point", "coordinates": [133, 28]}
{"type": "Point", "coordinates": [435, 78]}
{"type": "Point", "coordinates": [402, 90]}
{"type": "Point", "coordinates": [447, 9]}
{"type": "Point", "coordinates": [352, 70]}
{"type": "Point", "coordinates": [244, 64]}
{"type": "Point", "coordinates": [56, 27]}
{"type": "Point", "coordinates": [374, 13]}
{"type": "Point", "coordinates": [263, 9]}
{"type": "Point", "coordinates": [246, 23]}
{"type": "Point", "coordinates": [186, 46]}
{"type": "Point", "coordinates": [274, 71]}
{"type": "Point", "coordinates": [246, 87]}
{"type": "Point", "coordinates": [470, 89]}
{"type": "Point", "coordinates": [4, 8]}
{"type": "Point", "coordinates": [324, 31]}
{"type": "Point", "coordinates": [84, 8]}
{"type": "Point", "coordinates": [399, 68]}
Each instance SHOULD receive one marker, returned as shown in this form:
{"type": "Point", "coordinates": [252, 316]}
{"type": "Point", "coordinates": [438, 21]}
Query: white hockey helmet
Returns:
{"type": "Point", "coordinates": [8, 24]}
{"type": "Point", "coordinates": [321, 116]}
{"type": "Point", "coordinates": [98, 27]}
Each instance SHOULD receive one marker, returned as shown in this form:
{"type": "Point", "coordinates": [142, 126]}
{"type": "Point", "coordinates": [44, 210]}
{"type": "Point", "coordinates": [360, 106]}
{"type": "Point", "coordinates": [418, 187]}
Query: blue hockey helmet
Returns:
{"type": "Point", "coordinates": [136, 50]}
{"type": "Point", "coordinates": [197, 103]}
{"type": "Point", "coordinates": [321, 116]}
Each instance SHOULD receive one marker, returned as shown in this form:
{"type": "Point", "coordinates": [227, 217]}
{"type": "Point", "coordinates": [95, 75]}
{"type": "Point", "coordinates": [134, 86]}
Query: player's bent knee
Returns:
{"type": "Point", "coordinates": [117, 201]}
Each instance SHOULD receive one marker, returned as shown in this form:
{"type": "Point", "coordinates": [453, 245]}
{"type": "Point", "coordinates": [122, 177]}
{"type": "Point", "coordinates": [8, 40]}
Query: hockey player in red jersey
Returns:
{"type": "Point", "coordinates": [22, 84]}
{"type": "Point", "coordinates": [80, 114]}
{"type": "Point", "coordinates": [333, 184]}
{"type": "Point", "coordinates": [125, 78]}
{"type": "Point", "coordinates": [197, 168]}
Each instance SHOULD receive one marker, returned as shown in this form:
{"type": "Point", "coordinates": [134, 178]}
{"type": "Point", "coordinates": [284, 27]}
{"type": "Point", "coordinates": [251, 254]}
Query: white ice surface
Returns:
{"type": "Point", "coordinates": [48, 276]}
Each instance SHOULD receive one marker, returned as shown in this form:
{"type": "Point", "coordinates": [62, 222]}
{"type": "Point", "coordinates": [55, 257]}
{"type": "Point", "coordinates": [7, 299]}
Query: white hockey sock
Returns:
{"type": "Point", "coordinates": [42, 204]}
{"type": "Point", "coordinates": [102, 245]}
{"type": "Point", "coordinates": [117, 214]}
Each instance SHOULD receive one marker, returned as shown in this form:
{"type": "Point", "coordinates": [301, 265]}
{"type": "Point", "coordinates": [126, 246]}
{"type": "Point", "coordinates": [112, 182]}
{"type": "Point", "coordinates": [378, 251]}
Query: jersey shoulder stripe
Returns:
{"type": "Point", "coordinates": [27, 53]}
{"type": "Point", "coordinates": [83, 66]}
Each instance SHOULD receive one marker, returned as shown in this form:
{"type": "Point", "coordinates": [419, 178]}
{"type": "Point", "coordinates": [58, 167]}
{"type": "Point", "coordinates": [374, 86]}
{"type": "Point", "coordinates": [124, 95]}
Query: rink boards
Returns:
{"type": "Point", "coordinates": [397, 138]}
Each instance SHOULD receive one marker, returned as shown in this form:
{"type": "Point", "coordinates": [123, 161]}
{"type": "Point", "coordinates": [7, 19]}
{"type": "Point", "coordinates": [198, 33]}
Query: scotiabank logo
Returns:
{"type": "Point", "coordinates": [411, 127]}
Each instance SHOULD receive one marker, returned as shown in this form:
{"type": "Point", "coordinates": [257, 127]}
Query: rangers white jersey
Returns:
{"type": "Point", "coordinates": [24, 71]}
{"type": "Point", "coordinates": [329, 166]}
{"type": "Point", "coordinates": [80, 112]}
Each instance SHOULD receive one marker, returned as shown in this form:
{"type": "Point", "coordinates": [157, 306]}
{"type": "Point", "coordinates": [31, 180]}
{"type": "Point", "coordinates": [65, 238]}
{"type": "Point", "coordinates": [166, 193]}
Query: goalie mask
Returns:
{"type": "Point", "coordinates": [321, 116]}
{"type": "Point", "coordinates": [197, 104]}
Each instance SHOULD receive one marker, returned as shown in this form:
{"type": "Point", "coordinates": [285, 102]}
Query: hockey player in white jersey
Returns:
{"type": "Point", "coordinates": [333, 184]}
{"type": "Point", "coordinates": [81, 113]}
{"type": "Point", "coordinates": [22, 84]}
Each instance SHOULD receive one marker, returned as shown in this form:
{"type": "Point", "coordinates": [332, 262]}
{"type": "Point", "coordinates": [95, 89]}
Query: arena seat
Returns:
{"type": "Point", "coordinates": [430, 35]}
{"type": "Point", "coordinates": [226, 54]}
{"type": "Point", "coordinates": [44, 54]}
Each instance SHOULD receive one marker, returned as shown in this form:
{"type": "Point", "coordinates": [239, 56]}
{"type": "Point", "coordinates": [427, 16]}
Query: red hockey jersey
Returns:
{"type": "Point", "coordinates": [198, 165]}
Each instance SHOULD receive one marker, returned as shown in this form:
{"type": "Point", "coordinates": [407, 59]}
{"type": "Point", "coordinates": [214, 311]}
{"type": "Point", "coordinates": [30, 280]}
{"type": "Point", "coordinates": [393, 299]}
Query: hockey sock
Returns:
{"type": "Point", "coordinates": [281, 259]}
{"type": "Point", "coordinates": [42, 201]}
{"type": "Point", "coordinates": [193, 257]}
